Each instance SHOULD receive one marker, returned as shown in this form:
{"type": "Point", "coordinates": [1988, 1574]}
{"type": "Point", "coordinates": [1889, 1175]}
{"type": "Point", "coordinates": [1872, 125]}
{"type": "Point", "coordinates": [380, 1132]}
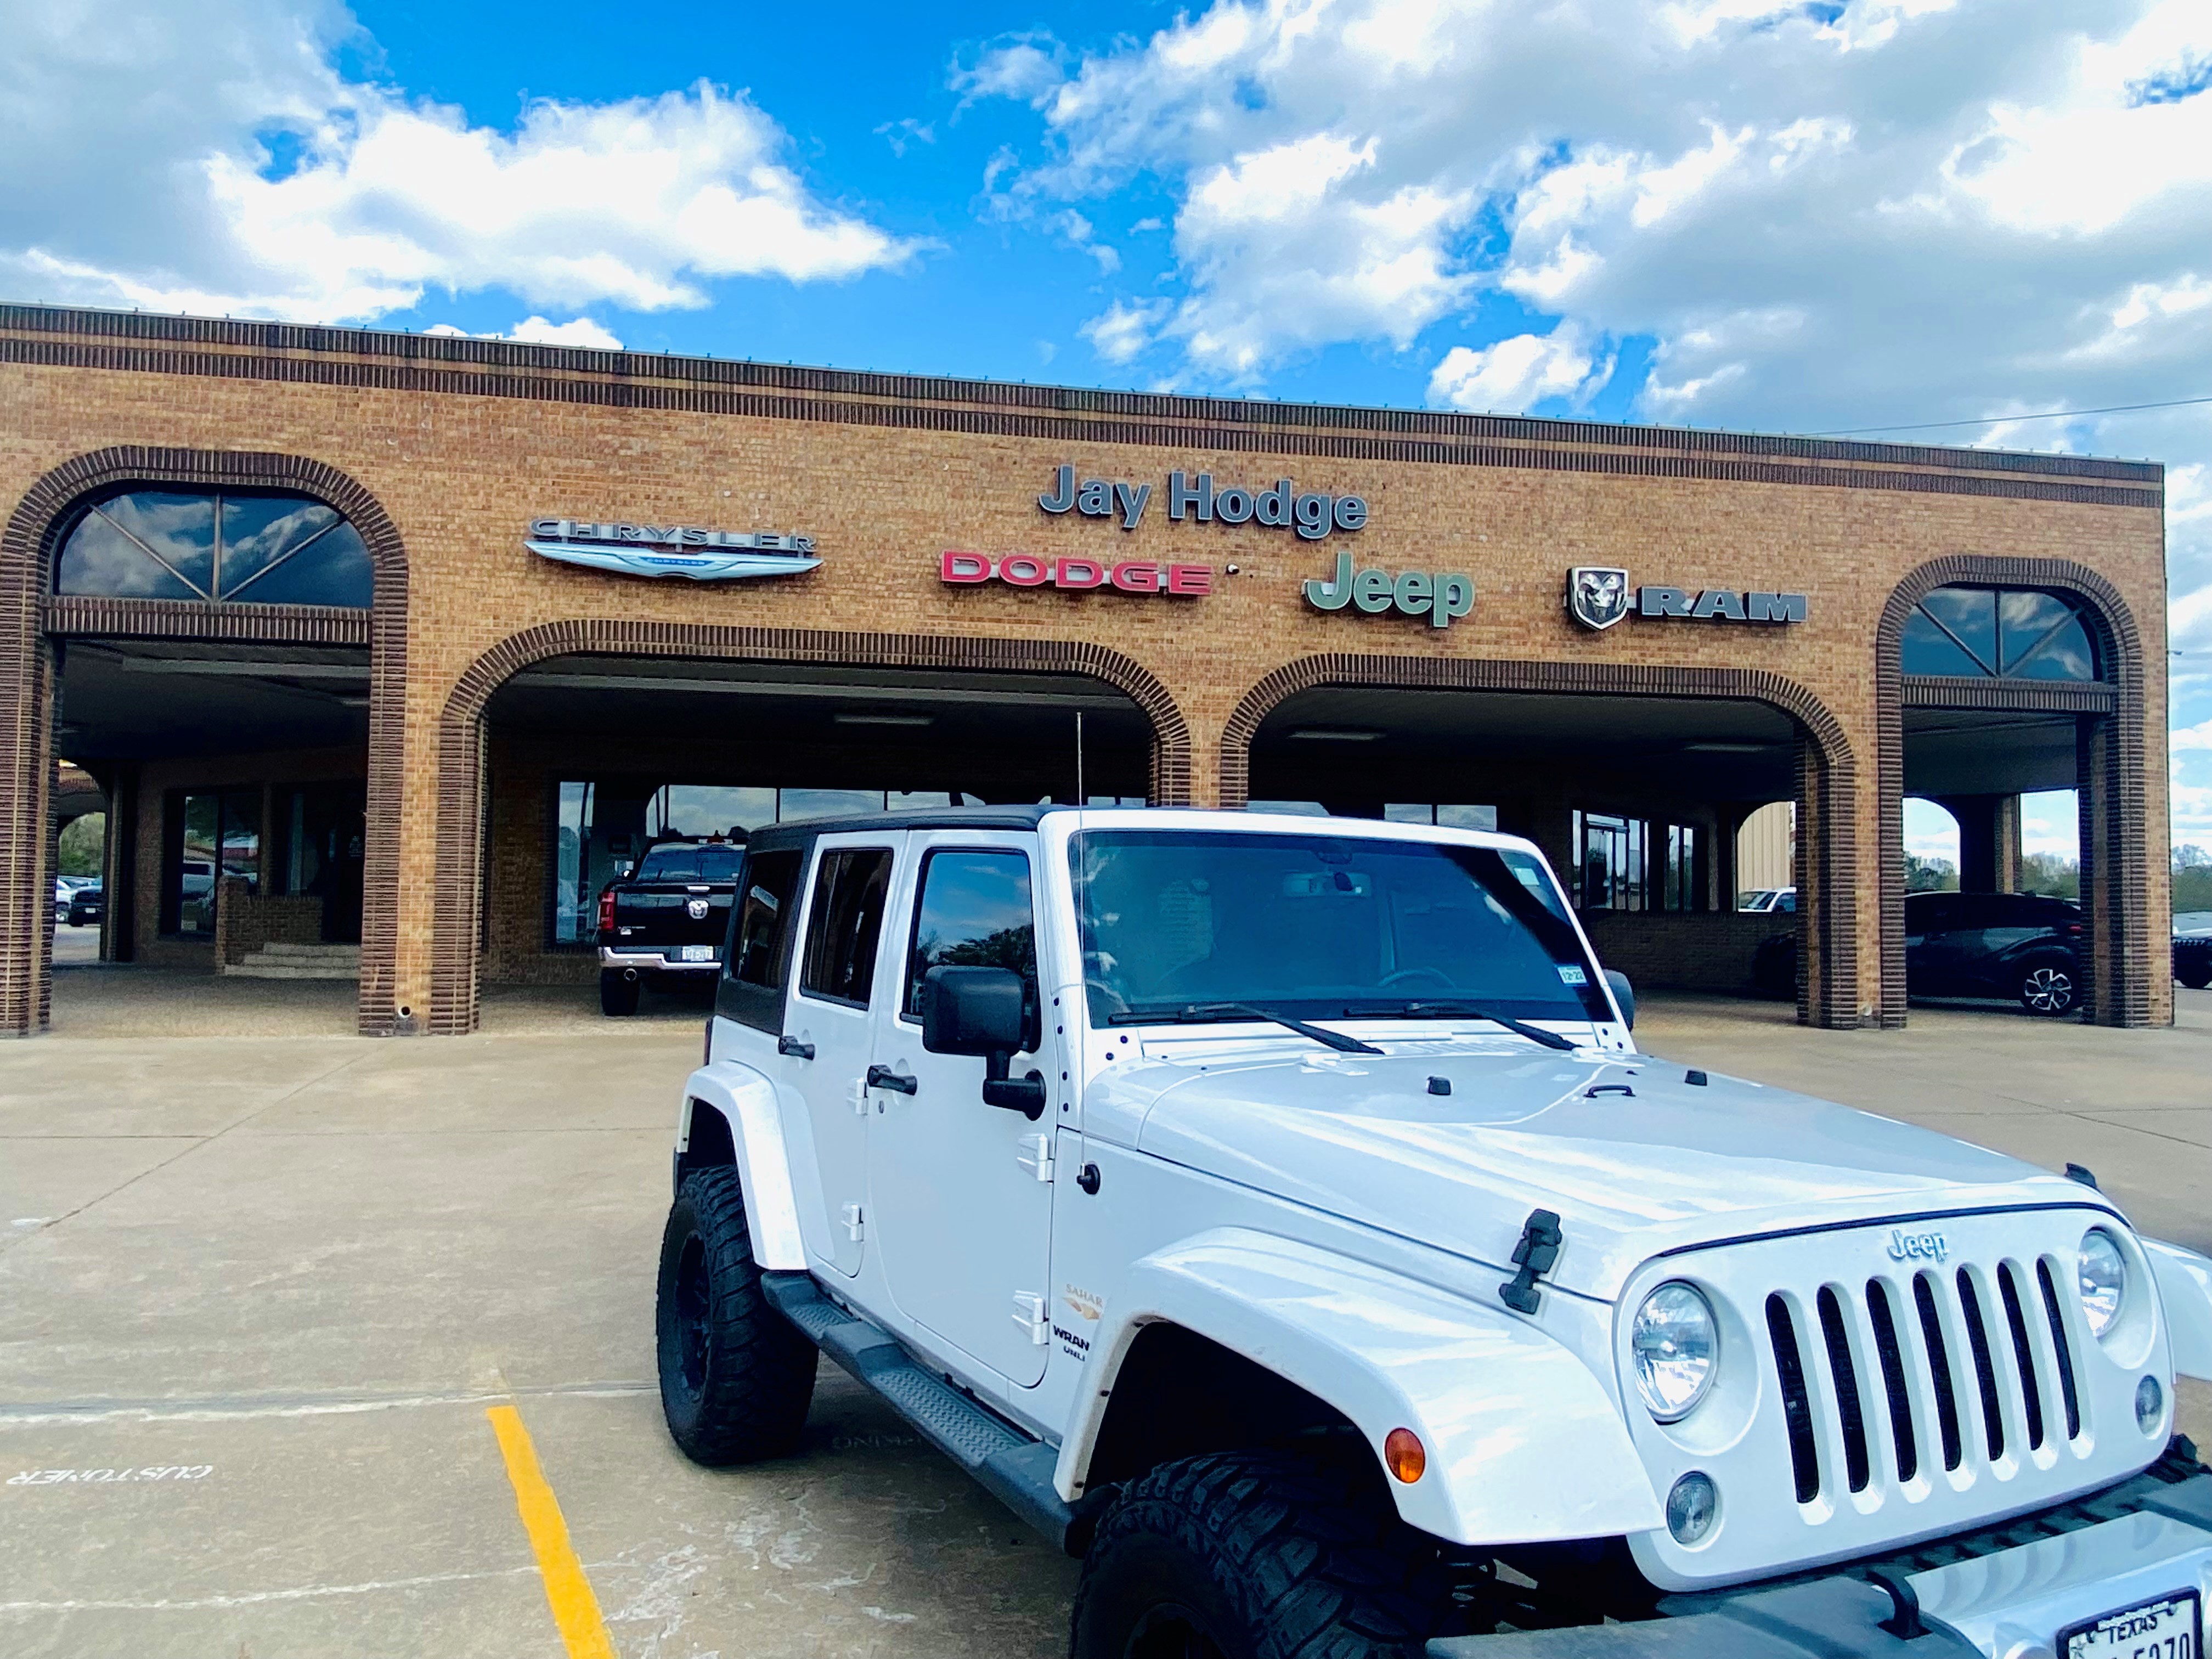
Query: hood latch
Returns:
{"type": "Point", "coordinates": [1533, 1255]}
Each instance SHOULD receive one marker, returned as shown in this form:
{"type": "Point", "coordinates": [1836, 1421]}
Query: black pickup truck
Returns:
{"type": "Point", "coordinates": [665, 920]}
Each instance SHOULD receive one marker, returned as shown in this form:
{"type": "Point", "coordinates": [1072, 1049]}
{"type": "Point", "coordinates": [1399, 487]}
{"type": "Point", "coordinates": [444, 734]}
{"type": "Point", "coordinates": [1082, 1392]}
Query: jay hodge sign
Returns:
{"type": "Point", "coordinates": [676, 549]}
{"type": "Point", "coordinates": [1310, 513]}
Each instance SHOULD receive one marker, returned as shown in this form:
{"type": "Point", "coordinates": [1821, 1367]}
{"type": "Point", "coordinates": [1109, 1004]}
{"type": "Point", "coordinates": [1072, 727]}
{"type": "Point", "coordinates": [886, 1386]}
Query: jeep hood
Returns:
{"type": "Point", "coordinates": [1630, 1174]}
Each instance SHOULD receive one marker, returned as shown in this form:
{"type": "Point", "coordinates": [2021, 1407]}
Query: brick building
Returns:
{"type": "Point", "coordinates": [308, 603]}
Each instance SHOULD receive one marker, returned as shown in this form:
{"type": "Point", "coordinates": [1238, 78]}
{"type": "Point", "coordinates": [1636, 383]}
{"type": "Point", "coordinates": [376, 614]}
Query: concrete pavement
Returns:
{"type": "Point", "coordinates": [278, 1280]}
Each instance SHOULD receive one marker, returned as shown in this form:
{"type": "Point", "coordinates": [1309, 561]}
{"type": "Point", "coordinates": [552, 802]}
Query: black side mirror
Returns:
{"type": "Point", "coordinates": [984, 1012]}
{"type": "Point", "coordinates": [1624, 993]}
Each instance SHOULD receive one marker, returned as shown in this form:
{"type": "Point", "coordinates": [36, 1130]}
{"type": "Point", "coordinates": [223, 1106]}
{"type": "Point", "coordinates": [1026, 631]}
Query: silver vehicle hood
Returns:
{"type": "Point", "coordinates": [1671, 1164]}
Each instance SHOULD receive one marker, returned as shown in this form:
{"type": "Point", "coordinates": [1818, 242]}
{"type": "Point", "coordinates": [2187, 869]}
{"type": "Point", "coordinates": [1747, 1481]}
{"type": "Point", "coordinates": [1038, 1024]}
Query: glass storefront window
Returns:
{"type": "Point", "coordinates": [259, 549]}
{"type": "Point", "coordinates": [1990, 633]}
{"type": "Point", "coordinates": [215, 833]}
{"type": "Point", "coordinates": [602, 828]}
{"type": "Point", "coordinates": [1633, 864]}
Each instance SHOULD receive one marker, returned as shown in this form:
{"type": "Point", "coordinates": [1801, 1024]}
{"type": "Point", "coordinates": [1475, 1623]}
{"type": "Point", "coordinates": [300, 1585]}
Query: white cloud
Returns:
{"type": "Point", "coordinates": [1899, 211]}
{"type": "Point", "coordinates": [538, 331]}
{"type": "Point", "coordinates": [1512, 376]}
{"type": "Point", "coordinates": [2199, 736]}
{"type": "Point", "coordinates": [235, 171]}
{"type": "Point", "coordinates": [1122, 331]}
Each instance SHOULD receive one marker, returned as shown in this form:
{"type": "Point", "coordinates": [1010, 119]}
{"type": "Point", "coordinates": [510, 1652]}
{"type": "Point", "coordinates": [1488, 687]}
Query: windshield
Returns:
{"type": "Point", "coordinates": [1323, 926]}
{"type": "Point", "coordinates": [717, 861]}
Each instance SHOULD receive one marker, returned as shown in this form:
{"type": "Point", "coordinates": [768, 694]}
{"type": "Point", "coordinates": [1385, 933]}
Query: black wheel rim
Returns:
{"type": "Point", "coordinates": [1171, 1631]}
{"type": "Point", "coordinates": [2049, 991]}
{"type": "Point", "coordinates": [691, 1315]}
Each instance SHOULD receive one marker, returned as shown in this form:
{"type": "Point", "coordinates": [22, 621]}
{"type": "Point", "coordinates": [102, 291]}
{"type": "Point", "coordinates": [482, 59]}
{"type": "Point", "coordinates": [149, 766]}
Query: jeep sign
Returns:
{"type": "Point", "coordinates": [1440, 598]}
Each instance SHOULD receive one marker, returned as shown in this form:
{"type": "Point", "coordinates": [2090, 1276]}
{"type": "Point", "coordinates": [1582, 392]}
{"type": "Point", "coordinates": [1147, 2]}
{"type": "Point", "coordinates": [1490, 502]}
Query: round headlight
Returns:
{"type": "Point", "coordinates": [1674, 1342]}
{"type": "Point", "coordinates": [2104, 1278]}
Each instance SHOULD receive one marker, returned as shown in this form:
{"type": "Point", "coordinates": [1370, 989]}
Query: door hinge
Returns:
{"type": "Point", "coordinates": [856, 1222]}
{"type": "Point", "coordinates": [1034, 1153]}
{"type": "Point", "coordinates": [860, 1096]}
{"type": "Point", "coordinates": [1030, 1313]}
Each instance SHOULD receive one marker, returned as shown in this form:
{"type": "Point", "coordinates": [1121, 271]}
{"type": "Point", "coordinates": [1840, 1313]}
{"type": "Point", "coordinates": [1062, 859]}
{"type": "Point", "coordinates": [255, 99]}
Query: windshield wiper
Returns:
{"type": "Point", "coordinates": [1196, 1013]}
{"type": "Point", "coordinates": [1465, 1010]}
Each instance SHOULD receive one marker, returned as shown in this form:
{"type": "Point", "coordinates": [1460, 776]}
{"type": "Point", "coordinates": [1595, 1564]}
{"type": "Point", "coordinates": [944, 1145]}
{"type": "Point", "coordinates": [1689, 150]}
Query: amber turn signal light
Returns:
{"type": "Point", "coordinates": [1403, 1452]}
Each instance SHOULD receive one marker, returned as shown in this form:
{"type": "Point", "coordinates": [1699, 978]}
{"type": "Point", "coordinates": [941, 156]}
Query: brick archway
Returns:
{"type": "Point", "coordinates": [32, 619]}
{"type": "Point", "coordinates": [1827, 854]}
{"type": "Point", "coordinates": [458, 892]}
{"type": "Point", "coordinates": [2114, 808]}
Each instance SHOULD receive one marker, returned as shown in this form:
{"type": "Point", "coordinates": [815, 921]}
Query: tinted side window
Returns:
{"type": "Point", "coordinates": [848, 918]}
{"type": "Point", "coordinates": [975, 912]}
{"type": "Point", "coordinates": [1937, 913]}
{"type": "Point", "coordinates": [760, 949]}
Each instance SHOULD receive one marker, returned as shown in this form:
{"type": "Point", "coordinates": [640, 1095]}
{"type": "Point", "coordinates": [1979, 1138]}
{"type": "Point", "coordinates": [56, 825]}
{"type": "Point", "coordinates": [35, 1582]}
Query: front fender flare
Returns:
{"type": "Point", "coordinates": [1523, 1442]}
{"type": "Point", "coordinates": [746, 1101]}
{"type": "Point", "coordinates": [2184, 1286]}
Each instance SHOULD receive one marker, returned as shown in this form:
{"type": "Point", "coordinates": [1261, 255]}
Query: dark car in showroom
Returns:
{"type": "Point", "coordinates": [88, 905]}
{"type": "Point", "coordinates": [2192, 950]}
{"type": "Point", "coordinates": [2022, 947]}
{"type": "Point", "coordinates": [662, 923]}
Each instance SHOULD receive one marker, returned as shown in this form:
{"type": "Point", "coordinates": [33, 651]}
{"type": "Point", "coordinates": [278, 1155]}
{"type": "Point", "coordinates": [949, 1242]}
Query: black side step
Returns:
{"type": "Point", "coordinates": [1015, 1468]}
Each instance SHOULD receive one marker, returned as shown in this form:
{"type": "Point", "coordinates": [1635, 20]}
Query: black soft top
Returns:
{"type": "Point", "coordinates": [783, 836]}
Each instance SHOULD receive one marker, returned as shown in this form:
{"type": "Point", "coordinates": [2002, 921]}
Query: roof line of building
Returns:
{"type": "Point", "coordinates": [458, 364]}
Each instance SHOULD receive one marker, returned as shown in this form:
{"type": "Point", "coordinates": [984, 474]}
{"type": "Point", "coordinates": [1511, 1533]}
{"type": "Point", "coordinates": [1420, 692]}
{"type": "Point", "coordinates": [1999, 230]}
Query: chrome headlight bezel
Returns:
{"type": "Point", "coordinates": [2104, 1296]}
{"type": "Point", "coordinates": [1674, 1350]}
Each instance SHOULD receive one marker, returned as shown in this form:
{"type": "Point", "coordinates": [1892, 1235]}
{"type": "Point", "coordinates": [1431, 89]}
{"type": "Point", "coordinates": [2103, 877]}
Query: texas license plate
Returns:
{"type": "Point", "coordinates": [698, 953]}
{"type": "Point", "coordinates": [2168, 1628]}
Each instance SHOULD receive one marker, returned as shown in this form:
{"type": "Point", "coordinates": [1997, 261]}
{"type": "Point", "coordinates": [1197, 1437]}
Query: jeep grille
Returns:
{"type": "Point", "coordinates": [1865, 1402]}
{"type": "Point", "coordinates": [1961, 1333]}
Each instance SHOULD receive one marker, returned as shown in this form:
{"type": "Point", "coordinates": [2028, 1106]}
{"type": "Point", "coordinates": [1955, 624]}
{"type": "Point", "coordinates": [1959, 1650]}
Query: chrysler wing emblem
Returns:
{"type": "Point", "coordinates": [644, 550]}
{"type": "Point", "coordinates": [696, 909]}
{"type": "Point", "coordinates": [1597, 595]}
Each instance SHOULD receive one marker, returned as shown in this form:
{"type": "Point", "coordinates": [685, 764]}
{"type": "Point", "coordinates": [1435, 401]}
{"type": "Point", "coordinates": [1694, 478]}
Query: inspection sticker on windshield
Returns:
{"type": "Point", "coordinates": [1569, 975]}
{"type": "Point", "coordinates": [2168, 1628]}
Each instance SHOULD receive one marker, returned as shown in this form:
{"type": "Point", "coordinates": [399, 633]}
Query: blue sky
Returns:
{"type": "Point", "coordinates": [1778, 214]}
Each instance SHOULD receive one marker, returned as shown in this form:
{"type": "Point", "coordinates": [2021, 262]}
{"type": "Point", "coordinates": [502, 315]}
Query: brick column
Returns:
{"type": "Point", "coordinates": [27, 831]}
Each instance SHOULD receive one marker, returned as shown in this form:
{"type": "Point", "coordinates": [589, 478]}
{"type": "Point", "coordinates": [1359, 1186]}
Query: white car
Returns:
{"type": "Point", "coordinates": [1280, 1215]}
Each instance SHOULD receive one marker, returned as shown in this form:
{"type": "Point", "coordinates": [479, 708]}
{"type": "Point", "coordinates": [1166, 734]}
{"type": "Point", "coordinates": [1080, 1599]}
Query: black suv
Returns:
{"type": "Point", "coordinates": [2017, 946]}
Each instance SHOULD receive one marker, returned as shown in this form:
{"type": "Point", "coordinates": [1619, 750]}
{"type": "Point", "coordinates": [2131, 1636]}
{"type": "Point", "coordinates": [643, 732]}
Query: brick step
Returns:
{"type": "Point", "coordinates": [284, 959]}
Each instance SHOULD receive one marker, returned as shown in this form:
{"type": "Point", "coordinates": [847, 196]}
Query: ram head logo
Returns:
{"type": "Point", "coordinates": [1597, 595]}
{"type": "Point", "coordinates": [697, 908]}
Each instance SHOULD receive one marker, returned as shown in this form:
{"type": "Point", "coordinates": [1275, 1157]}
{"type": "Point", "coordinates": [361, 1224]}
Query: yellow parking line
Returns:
{"type": "Point", "coordinates": [568, 1592]}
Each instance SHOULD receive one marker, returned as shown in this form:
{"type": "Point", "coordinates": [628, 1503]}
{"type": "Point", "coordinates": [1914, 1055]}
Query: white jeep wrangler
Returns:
{"type": "Point", "coordinates": [1276, 1214]}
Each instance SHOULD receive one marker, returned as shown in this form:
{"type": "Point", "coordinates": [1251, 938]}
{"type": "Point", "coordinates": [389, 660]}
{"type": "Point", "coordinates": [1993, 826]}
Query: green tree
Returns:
{"type": "Point", "coordinates": [81, 842]}
{"type": "Point", "coordinates": [1930, 875]}
{"type": "Point", "coordinates": [2050, 875]}
{"type": "Point", "coordinates": [2192, 877]}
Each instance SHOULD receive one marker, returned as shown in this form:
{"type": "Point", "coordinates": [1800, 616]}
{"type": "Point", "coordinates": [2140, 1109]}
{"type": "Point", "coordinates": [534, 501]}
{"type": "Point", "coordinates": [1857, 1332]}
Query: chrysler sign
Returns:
{"type": "Point", "coordinates": [676, 549]}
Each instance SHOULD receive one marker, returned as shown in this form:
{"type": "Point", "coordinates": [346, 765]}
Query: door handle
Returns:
{"type": "Point", "coordinates": [882, 1077]}
{"type": "Point", "coordinates": [794, 1047]}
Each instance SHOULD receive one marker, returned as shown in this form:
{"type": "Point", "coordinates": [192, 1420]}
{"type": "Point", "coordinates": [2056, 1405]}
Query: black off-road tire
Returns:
{"type": "Point", "coordinates": [1258, 1555]}
{"type": "Point", "coordinates": [736, 1376]}
{"type": "Point", "coordinates": [617, 995]}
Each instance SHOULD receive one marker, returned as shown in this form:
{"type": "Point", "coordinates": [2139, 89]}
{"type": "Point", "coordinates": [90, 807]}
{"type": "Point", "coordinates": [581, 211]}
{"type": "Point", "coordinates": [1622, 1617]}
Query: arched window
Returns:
{"type": "Point", "coordinates": [2001, 633]}
{"type": "Point", "coordinates": [240, 548]}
